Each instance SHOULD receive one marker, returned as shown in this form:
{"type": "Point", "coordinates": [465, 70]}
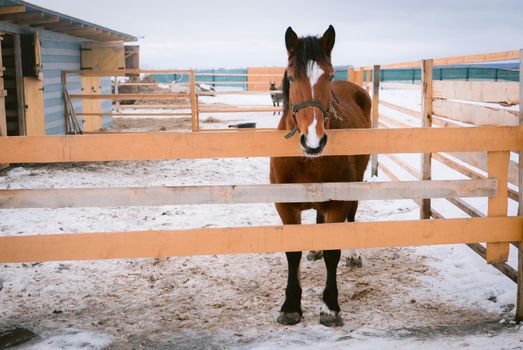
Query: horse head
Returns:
{"type": "Point", "coordinates": [307, 88]}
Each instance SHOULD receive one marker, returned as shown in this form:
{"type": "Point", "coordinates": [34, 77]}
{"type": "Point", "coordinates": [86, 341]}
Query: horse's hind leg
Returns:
{"type": "Point", "coordinates": [314, 255]}
{"type": "Point", "coordinates": [290, 312]}
{"type": "Point", "coordinates": [353, 258]}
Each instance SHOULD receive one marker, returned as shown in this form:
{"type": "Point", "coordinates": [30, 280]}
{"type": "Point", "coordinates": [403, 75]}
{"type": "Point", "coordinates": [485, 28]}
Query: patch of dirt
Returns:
{"type": "Point", "coordinates": [221, 301]}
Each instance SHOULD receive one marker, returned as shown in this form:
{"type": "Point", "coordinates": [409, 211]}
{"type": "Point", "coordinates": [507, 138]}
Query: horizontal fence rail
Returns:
{"type": "Point", "coordinates": [264, 239]}
{"type": "Point", "coordinates": [162, 146]}
{"type": "Point", "coordinates": [228, 194]}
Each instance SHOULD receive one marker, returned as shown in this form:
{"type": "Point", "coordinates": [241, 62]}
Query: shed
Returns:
{"type": "Point", "coordinates": [37, 44]}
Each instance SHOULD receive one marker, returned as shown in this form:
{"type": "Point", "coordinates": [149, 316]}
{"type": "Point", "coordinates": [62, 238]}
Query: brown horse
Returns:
{"type": "Point", "coordinates": [313, 103]}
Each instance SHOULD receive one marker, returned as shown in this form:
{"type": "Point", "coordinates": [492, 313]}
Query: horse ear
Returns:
{"type": "Point", "coordinates": [328, 39]}
{"type": "Point", "coordinates": [291, 40]}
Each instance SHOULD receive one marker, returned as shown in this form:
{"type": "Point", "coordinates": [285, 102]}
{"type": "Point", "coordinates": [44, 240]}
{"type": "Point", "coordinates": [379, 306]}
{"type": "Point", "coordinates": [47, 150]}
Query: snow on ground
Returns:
{"type": "Point", "coordinates": [409, 298]}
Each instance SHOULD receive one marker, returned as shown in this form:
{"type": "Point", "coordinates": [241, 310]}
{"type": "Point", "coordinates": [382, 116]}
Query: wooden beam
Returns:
{"type": "Point", "coordinates": [401, 109]}
{"type": "Point", "coordinates": [19, 84]}
{"type": "Point", "coordinates": [426, 122]}
{"type": "Point", "coordinates": [60, 24]}
{"type": "Point", "coordinates": [504, 268]}
{"type": "Point", "coordinates": [85, 30]}
{"type": "Point", "coordinates": [237, 194]}
{"type": "Point", "coordinates": [375, 112]}
{"type": "Point", "coordinates": [483, 91]}
{"type": "Point", "coordinates": [265, 239]}
{"type": "Point", "coordinates": [488, 57]}
{"type": "Point", "coordinates": [475, 114]}
{"type": "Point", "coordinates": [4, 10]}
{"type": "Point", "coordinates": [39, 21]}
{"type": "Point", "coordinates": [195, 122]}
{"type": "Point", "coordinates": [161, 146]}
{"type": "Point", "coordinates": [519, 303]}
{"type": "Point", "coordinates": [128, 96]}
{"type": "Point", "coordinates": [497, 252]}
{"type": "Point", "coordinates": [20, 17]}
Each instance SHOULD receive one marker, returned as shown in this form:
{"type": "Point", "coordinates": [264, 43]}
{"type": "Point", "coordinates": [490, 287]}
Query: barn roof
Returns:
{"type": "Point", "coordinates": [24, 13]}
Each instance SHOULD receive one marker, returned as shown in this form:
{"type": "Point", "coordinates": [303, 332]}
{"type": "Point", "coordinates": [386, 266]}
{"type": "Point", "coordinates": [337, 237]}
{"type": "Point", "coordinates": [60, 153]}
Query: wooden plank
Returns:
{"type": "Point", "coordinates": [175, 145]}
{"type": "Point", "coordinates": [483, 91]}
{"type": "Point", "coordinates": [375, 112]}
{"type": "Point", "coordinates": [265, 239]}
{"type": "Point", "coordinates": [479, 160]}
{"type": "Point", "coordinates": [3, 113]}
{"type": "Point", "coordinates": [91, 85]}
{"type": "Point", "coordinates": [488, 57]}
{"type": "Point", "coordinates": [519, 302]}
{"type": "Point", "coordinates": [236, 194]}
{"type": "Point", "coordinates": [475, 114]}
{"type": "Point", "coordinates": [401, 109]}
{"type": "Point", "coordinates": [259, 78]}
{"type": "Point", "coordinates": [497, 252]}
{"type": "Point", "coordinates": [468, 172]}
{"type": "Point", "coordinates": [19, 85]}
{"type": "Point", "coordinates": [4, 10]}
{"type": "Point", "coordinates": [39, 21]}
{"type": "Point", "coordinates": [195, 123]}
{"type": "Point", "coordinates": [98, 56]}
{"type": "Point", "coordinates": [426, 122]}
{"type": "Point", "coordinates": [351, 75]}
{"type": "Point", "coordinates": [504, 268]}
{"type": "Point", "coordinates": [129, 96]}
{"type": "Point", "coordinates": [34, 103]}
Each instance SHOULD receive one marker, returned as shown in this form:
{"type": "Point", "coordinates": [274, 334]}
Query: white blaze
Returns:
{"type": "Point", "coordinates": [314, 72]}
{"type": "Point", "coordinates": [313, 141]}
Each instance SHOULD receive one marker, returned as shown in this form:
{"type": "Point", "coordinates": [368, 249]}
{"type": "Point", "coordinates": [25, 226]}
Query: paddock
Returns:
{"type": "Point", "coordinates": [496, 228]}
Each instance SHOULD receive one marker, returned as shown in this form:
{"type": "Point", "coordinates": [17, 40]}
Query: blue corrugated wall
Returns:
{"type": "Point", "coordinates": [59, 55]}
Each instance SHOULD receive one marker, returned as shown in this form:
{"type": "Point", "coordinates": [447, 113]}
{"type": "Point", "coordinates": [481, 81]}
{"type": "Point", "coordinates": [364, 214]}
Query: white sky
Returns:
{"type": "Point", "coordinates": [234, 33]}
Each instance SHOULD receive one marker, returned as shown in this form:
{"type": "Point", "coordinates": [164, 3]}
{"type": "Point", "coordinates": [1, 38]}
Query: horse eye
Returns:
{"type": "Point", "coordinates": [291, 79]}
{"type": "Point", "coordinates": [331, 77]}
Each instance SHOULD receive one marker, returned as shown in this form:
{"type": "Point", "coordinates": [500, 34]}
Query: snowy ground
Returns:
{"type": "Point", "coordinates": [409, 298]}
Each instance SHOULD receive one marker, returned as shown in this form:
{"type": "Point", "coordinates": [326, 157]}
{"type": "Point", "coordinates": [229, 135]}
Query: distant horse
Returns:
{"type": "Point", "coordinates": [313, 104]}
{"type": "Point", "coordinates": [277, 97]}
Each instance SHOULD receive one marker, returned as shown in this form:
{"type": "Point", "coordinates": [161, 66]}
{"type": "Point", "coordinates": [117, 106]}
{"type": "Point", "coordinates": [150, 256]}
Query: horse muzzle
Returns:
{"type": "Point", "coordinates": [313, 152]}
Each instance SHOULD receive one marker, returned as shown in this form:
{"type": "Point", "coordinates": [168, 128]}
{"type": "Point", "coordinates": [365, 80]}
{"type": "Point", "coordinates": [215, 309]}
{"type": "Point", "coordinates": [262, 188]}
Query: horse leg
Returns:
{"type": "Point", "coordinates": [330, 310]}
{"type": "Point", "coordinates": [314, 255]}
{"type": "Point", "coordinates": [353, 258]}
{"type": "Point", "coordinates": [290, 312]}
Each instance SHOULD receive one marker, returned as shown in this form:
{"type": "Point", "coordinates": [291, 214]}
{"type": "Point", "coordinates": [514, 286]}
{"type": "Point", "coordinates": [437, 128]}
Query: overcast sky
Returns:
{"type": "Point", "coordinates": [234, 33]}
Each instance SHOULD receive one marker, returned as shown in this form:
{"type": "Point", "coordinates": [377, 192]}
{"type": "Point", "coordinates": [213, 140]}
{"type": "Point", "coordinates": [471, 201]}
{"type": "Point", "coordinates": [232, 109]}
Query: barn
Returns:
{"type": "Point", "coordinates": [36, 45]}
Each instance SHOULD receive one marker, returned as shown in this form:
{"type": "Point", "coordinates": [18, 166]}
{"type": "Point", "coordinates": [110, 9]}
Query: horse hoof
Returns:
{"type": "Point", "coordinates": [353, 261]}
{"type": "Point", "coordinates": [314, 255]}
{"type": "Point", "coordinates": [331, 319]}
{"type": "Point", "coordinates": [289, 318]}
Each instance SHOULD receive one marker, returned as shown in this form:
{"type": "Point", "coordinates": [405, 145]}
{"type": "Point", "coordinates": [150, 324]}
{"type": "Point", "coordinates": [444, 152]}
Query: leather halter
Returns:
{"type": "Point", "coordinates": [295, 108]}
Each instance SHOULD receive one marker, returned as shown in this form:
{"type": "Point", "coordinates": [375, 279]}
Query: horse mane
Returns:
{"type": "Point", "coordinates": [310, 48]}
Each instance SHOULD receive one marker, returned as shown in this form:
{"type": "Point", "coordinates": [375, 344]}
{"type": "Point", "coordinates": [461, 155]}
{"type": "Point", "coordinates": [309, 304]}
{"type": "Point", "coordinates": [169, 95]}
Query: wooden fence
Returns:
{"type": "Point", "coordinates": [187, 102]}
{"type": "Point", "coordinates": [455, 104]}
{"type": "Point", "coordinates": [496, 228]}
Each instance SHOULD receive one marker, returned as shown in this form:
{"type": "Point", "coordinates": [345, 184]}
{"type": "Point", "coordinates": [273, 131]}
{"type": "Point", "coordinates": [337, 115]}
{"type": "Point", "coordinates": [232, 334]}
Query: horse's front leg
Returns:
{"type": "Point", "coordinates": [330, 310]}
{"type": "Point", "coordinates": [290, 312]}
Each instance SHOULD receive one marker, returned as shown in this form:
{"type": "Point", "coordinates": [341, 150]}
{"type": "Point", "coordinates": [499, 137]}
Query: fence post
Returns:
{"type": "Point", "coordinates": [350, 75]}
{"type": "Point", "coordinates": [519, 303]}
{"type": "Point", "coordinates": [194, 102]}
{"type": "Point", "coordinates": [497, 165]}
{"type": "Point", "coordinates": [426, 122]}
{"type": "Point", "coordinates": [375, 112]}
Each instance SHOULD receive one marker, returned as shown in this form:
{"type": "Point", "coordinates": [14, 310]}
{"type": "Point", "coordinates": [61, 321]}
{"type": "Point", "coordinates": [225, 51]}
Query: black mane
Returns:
{"type": "Point", "coordinates": [309, 48]}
